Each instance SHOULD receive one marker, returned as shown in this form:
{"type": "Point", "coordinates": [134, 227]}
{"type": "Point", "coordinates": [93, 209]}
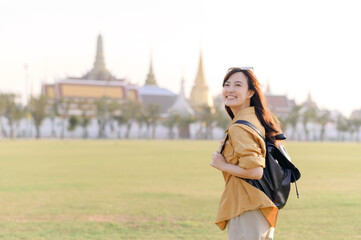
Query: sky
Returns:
{"type": "Point", "coordinates": [295, 47]}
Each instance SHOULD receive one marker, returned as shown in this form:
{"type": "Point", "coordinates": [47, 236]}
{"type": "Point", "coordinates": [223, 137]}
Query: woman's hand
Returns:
{"type": "Point", "coordinates": [218, 161]}
{"type": "Point", "coordinates": [220, 146]}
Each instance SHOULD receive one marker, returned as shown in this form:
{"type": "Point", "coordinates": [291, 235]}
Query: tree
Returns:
{"type": "Point", "coordinates": [64, 107]}
{"type": "Point", "coordinates": [170, 123]}
{"type": "Point", "coordinates": [356, 122]}
{"type": "Point", "coordinates": [54, 112]}
{"type": "Point", "coordinates": [37, 108]}
{"type": "Point", "coordinates": [10, 110]}
{"type": "Point", "coordinates": [130, 109]}
{"type": "Point", "coordinates": [19, 113]}
{"type": "Point", "coordinates": [341, 126]}
{"type": "Point", "coordinates": [113, 112]}
{"type": "Point", "coordinates": [85, 117]}
{"type": "Point", "coordinates": [73, 123]}
{"type": "Point", "coordinates": [152, 111]}
{"type": "Point", "coordinates": [101, 114]}
{"type": "Point", "coordinates": [3, 102]}
{"type": "Point", "coordinates": [141, 119]}
{"type": "Point", "coordinates": [183, 123]}
{"type": "Point", "coordinates": [205, 115]}
{"type": "Point", "coordinates": [308, 115]}
{"type": "Point", "coordinates": [293, 119]}
{"type": "Point", "coordinates": [222, 119]}
{"type": "Point", "coordinates": [322, 119]}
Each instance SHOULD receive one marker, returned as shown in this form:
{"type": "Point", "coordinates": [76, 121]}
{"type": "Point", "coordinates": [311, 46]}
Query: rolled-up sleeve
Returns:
{"type": "Point", "coordinates": [248, 147]}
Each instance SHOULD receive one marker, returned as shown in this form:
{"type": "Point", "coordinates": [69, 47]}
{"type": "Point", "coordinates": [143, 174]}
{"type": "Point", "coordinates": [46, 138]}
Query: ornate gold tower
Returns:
{"type": "Point", "coordinates": [200, 94]}
{"type": "Point", "coordinates": [99, 71]}
{"type": "Point", "coordinates": [150, 77]}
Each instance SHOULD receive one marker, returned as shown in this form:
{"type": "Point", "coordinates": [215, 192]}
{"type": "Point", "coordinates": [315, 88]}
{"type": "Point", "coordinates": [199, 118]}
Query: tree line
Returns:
{"type": "Point", "coordinates": [109, 113]}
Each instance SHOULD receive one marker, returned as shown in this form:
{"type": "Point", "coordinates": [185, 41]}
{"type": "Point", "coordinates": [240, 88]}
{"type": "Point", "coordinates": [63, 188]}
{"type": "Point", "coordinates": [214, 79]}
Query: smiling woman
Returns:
{"type": "Point", "coordinates": [249, 213]}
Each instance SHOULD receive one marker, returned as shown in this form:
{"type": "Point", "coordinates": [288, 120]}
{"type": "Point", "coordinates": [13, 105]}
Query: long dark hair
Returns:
{"type": "Point", "coordinates": [258, 101]}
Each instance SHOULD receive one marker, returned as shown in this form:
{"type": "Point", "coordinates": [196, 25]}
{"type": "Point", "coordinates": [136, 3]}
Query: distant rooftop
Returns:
{"type": "Point", "coordinates": [155, 90]}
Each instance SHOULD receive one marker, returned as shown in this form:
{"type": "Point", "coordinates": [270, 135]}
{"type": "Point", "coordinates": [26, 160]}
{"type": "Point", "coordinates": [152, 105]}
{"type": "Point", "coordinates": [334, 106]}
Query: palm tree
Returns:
{"type": "Point", "coordinates": [37, 108]}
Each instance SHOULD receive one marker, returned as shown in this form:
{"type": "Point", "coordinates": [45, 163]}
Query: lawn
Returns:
{"type": "Point", "coordinates": [87, 189]}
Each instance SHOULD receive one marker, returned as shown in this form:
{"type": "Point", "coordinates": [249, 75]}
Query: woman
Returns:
{"type": "Point", "coordinates": [249, 213]}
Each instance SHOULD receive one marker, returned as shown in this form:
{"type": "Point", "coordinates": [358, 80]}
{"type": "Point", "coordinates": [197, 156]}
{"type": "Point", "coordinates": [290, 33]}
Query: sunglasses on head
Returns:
{"type": "Point", "coordinates": [240, 68]}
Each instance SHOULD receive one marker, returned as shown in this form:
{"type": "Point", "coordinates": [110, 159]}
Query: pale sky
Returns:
{"type": "Point", "coordinates": [295, 46]}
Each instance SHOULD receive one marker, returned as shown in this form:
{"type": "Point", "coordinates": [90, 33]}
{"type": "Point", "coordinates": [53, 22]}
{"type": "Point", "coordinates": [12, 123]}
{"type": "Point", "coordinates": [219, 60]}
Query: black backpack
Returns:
{"type": "Point", "coordinates": [278, 173]}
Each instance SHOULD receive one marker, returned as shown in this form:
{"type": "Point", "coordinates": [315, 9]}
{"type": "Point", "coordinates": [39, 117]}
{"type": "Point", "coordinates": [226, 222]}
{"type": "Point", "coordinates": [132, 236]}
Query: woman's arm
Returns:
{"type": "Point", "coordinates": [220, 163]}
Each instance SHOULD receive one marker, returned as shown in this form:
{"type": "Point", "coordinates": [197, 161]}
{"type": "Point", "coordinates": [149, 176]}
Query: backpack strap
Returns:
{"type": "Point", "coordinates": [251, 126]}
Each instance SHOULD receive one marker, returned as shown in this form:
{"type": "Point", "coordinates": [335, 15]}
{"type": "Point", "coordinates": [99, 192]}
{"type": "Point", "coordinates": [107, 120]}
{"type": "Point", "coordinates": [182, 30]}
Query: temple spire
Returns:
{"type": "Point", "coordinates": [150, 77]}
{"type": "Point", "coordinates": [268, 88]}
{"type": "Point", "coordinates": [99, 71]}
{"type": "Point", "coordinates": [99, 58]}
{"type": "Point", "coordinates": [200, 78]}
{"type": "Point", "coordinates": [200, 94]}
{"type": "Point", "coordinates": [181, 105]}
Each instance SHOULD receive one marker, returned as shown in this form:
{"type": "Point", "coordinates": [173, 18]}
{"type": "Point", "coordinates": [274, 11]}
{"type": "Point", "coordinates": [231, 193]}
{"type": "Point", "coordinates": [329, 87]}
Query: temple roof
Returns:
{"type": "Point", "coordinates": [157, 95]}
{"type": "Point", "coordinates": [150, 77]}
{"type": "Point", "coordinates": [181, 104]}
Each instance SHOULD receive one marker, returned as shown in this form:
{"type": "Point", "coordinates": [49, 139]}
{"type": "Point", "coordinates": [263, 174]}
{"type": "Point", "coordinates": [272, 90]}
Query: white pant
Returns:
{"type": "Point", "coordinates": [250, 225]}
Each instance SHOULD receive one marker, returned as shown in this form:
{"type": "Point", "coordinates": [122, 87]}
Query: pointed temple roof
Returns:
{"type": "Point", "coordinates": [99, 71]}
{"type": "Point", "coordinates": [181, 105]}
{"type": "Point", "coordinates": [268, 89]}
{"type": "Point", "coordinates": [200, 94]}
{"type": "Point", "coordinates": [200, 78]}
{"type": "Point", "coordinates": [150, 77]}
{"type": "Point", "coordinates": [151, 93]}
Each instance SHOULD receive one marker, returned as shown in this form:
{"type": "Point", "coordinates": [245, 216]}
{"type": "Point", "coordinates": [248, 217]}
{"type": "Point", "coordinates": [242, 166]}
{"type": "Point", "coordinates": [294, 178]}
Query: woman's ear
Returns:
{"type": "Point", "coordinates": [250, 93]}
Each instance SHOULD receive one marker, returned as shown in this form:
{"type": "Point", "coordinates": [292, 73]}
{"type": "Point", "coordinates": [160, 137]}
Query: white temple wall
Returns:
{"type": "Point", "coordinates": [53, 129]}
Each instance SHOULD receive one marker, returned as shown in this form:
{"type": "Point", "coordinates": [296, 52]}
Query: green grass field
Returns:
{"type": "Point", "coordinates": [161, 190]}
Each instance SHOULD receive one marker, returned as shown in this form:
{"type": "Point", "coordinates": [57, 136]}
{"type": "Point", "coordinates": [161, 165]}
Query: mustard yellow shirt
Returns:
{"type": "Point", "coordinates": [246, 149]}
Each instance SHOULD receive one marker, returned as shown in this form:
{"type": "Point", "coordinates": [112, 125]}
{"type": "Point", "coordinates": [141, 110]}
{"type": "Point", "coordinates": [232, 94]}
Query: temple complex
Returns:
{"type": "Point", "coordinates": [95, 84]}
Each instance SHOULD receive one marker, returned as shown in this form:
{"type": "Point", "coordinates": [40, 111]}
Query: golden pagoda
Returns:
{"type": "Point", "coordinates": [200, 94]}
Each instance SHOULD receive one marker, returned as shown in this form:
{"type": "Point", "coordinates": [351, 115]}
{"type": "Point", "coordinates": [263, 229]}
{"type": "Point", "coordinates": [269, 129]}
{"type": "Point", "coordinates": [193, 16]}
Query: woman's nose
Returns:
{"type": "Point", "coordinates": [230, 89]}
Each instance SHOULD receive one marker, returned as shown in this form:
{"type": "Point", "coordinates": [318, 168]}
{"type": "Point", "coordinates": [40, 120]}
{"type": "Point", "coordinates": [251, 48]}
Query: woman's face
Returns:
{"type": "Point", "coordinates": [235, 92]}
